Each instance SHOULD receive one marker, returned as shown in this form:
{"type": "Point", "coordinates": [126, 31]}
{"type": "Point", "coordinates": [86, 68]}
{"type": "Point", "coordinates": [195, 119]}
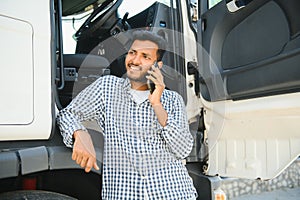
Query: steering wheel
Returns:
{"type": "Point", "coordinates": [121, 25]}
{"type": "Point", "coordinates": [94, 21]}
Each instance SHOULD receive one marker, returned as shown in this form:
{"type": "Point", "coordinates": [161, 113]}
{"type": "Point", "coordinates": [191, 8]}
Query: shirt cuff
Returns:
{"type": "Point", "coordinates": [68, 137]}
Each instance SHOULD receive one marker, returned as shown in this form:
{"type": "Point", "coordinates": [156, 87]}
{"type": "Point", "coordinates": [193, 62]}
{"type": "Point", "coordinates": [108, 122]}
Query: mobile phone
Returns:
{"type": "Point", "coordinates": [150, 84]}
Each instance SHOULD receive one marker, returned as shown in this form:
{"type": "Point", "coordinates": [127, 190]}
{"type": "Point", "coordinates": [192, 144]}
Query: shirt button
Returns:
{"type": "Point", "coordinates": [144, 177]}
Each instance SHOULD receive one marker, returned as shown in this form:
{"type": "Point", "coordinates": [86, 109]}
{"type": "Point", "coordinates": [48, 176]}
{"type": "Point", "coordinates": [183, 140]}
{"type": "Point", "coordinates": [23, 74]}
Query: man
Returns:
{"type": "Point", "coordinates": [146, 135]}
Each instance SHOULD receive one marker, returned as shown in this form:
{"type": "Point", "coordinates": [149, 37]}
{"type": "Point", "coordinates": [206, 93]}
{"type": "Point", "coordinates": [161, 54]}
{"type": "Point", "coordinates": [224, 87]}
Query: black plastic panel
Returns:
{"type": "Point", "coordinates": [252, 52]}
{"type": "Point", "coordinates": [261, 35]}
{"type": "Point", "coordinates": [273, 77]}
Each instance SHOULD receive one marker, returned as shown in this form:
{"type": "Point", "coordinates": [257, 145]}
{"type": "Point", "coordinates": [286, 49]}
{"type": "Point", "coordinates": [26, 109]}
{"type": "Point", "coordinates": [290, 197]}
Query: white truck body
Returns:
{"type": "Point", "coordinates": [245, 110]}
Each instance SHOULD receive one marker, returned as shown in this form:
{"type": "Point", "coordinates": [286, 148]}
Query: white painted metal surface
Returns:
{"type": "Point", "coordinates": [25, 102]}
{"type": "Point", "coordinates": [256, 138]}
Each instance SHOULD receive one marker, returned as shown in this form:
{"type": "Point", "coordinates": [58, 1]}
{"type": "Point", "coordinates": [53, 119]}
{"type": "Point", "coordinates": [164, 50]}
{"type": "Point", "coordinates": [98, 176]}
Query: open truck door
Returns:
{"type": "Point", "coordinates": [25, 75]}
{"type": "Point", "coordinates": [249, 66]}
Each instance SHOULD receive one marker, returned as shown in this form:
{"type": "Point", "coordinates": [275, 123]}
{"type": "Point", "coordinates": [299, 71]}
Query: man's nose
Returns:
{"type": "Point", "coordinates": [136, 60]}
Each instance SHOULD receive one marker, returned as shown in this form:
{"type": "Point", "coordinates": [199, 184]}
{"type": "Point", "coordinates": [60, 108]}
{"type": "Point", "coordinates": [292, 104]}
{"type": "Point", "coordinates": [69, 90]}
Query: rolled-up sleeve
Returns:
{"type": "Point", "coordinates": [176, 133]}
{"type": "Point", "coordinates": [86, 106]}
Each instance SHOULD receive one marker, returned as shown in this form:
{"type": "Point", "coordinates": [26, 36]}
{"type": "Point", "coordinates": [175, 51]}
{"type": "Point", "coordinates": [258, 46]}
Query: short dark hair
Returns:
{"type": "Point", "coordinates": [153, 37]}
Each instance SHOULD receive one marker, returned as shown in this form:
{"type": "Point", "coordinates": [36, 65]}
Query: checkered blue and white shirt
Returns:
{"type": "Point", "coordinates": [141, 158]}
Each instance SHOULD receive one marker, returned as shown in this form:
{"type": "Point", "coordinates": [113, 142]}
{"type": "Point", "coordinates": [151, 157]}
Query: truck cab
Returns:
{"type": "Point", "coordinates": [235, 63]}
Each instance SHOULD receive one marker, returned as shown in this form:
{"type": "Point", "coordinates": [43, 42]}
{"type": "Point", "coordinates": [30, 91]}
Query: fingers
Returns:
{"type": "Point", "coordinates": [155, 75]}
{"type": "Point", "coordinates": [96, 166]}
{"type": "Point", "coordinates": [156, 70]}
{"type": "Point", "coordinates": [84, 153]}
{"type": "Point", "coordinates": [85, 161]}
{"type": "Point", "coordinates": [91, 162]}
{"type": "Point", "coordinates": [74, 155]}
{"type": "Point", "coordinates": [157, 78]}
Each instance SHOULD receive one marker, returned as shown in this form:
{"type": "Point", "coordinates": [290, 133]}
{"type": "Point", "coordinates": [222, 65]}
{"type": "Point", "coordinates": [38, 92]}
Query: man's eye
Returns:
{"type": "Point", "coordinates": [131, 52]}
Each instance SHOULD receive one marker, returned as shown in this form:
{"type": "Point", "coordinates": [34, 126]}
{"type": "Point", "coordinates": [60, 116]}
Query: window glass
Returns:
{"type": "Point", "coordinates": [70, 24]}
{"type": "Point", "coordinates": [212, 3]}
{"type": "Point", "coordinates": [193, 13]}
{"type": "Point", "coordinates": [194, 10]}
{"type": "Point", "coordinates": [133, 8]}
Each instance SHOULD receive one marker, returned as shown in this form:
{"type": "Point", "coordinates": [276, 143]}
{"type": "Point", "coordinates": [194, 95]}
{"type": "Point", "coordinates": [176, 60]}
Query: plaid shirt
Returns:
{"type": "Point", "coordinates": [141, 158]}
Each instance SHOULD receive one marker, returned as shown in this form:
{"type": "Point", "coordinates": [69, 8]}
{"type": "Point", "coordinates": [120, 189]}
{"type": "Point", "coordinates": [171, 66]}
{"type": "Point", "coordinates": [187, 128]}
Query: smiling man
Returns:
{"type": "Point", "coordinates": [146, 134]}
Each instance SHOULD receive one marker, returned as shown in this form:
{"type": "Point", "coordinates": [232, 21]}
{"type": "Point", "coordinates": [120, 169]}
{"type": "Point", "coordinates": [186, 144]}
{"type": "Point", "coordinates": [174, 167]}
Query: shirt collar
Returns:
{"type": "Point", "coordinates": [127, 87]}
{"type": "Point", "coordinates": [126, 84]}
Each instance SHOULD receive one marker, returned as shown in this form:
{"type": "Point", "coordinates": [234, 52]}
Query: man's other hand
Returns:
{"type": "Point", "coordinates": [83, 151]}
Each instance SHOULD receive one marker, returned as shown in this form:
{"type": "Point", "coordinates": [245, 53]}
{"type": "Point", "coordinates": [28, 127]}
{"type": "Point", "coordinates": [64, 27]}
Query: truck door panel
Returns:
{"type": "Point", "coordinates": [26, 111]}
{"type": "Point", "coordinates": [250, 84]}
{"type": "Point", "coordinates": [16, 36]}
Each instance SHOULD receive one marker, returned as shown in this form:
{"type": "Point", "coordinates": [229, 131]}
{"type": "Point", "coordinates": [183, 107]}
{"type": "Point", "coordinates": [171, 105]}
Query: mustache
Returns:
{"type": "Point", "coordinates": [138, 66]}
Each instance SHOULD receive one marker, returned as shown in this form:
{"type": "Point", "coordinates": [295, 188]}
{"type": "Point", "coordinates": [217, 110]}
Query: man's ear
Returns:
{"type": "Point", "coordinates": [160, 64]}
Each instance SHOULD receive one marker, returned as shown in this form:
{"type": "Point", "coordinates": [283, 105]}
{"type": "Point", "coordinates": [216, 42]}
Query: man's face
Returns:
{"type": "Point", "coordinates": [139, 59]}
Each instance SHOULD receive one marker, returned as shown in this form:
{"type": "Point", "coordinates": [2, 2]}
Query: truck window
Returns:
{"type": "Point", "coordinates": [212, 3]}
{"type": "Point", "coordinates": [126, 6]}
{"type": "Point", "coordinates": [70, 24]}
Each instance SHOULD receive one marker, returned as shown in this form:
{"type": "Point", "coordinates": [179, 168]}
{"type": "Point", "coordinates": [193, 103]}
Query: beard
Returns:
{"type": "Point", "coordinates": [140, 78]}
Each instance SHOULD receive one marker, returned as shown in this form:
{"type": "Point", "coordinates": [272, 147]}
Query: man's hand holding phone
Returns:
{"type": "Point", "coordinates": [155, 83]}
{"type": "Point", "coordinates": [157, 78]}
{"type": "Point", "coordinates": [150, 83]}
